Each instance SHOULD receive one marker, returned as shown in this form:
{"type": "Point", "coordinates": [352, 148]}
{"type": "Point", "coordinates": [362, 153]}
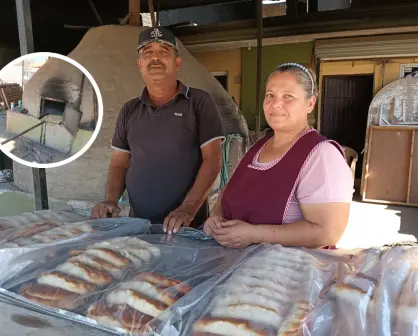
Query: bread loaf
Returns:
{"type": "Point", "coordinates": [292, 325]}
{"type": "Point", "coordinates": [90, 270]}
{"type": "Point", "coordinates": [120, 316]}
{"type": "Point", "coordinates": [85, 272]}
{"type": "Point", "coordinates": [106, 315]}
{"type": "Point", "coordinates": [67, 282]}
{"type": "Point", "coordinates": [151, 290]}
{"type": "Point", "coordinates": [229, 327]}
{"type": "Point", "coordinates": [158, 279]}
{"type": "Point", "coordinates": [137, 301]}
{"type": "Point", "coordinates": [109, 255]}
{"type": "Point", "coordinates": [48, 292]}
{"type": "Point", "coordinates": [99, 264]}
{"type": "Point", "coordinates": [51, 296]}
{"type": "Point", "coordinates": [61, 304]}
{"type": "Point", "coordinates": [259, 296]}
{"type": "Point", "coordinates": [248, 312]}
{"type": "Point", "coordinates": [31, 230]}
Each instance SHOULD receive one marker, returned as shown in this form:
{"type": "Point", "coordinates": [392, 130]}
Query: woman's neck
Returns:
{"type": "Point", "coordinates": [284, 138]}
{"type": "Point", "coordinates": [162, 93]}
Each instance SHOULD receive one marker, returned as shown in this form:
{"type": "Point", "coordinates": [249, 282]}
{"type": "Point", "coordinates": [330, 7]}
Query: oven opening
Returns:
{"type": "Point", "coordinates": [52, 106]}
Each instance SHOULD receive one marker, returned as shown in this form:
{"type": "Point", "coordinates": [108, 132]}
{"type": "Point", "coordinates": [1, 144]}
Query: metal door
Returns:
{"type": "Point", "coordinates": [345, 106]}
{"type": "Point", "coordinates": [71, 119]}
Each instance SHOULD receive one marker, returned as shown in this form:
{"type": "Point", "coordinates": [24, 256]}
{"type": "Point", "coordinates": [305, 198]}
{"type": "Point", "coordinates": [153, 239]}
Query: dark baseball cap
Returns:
{"type": "Point", "coordinates": [157, 34]}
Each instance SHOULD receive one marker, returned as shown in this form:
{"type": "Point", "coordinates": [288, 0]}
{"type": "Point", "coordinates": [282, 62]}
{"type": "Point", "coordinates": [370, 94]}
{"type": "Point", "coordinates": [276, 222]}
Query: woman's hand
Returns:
{"type": "Point", "coordinates": [235, 234]}
{"type": "Point", "coordinates": [212, 223]}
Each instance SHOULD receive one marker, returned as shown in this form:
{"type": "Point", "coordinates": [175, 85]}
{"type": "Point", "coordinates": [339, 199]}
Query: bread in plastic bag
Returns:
{"type": "Point", "coordinates": [124, 284]}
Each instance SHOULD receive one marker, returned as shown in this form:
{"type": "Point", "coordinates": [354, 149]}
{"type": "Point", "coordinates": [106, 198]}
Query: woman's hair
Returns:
{"type": "Point", "coordinates": [305, 77]}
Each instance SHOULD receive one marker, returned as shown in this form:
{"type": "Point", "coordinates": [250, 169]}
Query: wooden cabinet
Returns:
{"type": "Point", "coordinates": [391, 172]}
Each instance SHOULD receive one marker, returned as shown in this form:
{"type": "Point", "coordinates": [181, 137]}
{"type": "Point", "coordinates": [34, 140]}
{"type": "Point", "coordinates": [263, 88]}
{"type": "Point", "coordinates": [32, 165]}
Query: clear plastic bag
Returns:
{"type": "Point", "coordinates": [52, 233]}
{"type": "Point", "coordinates": [186, 284]}
{"type": "Point", "coordinates": [378, 297]}
{"type": "Point", "coordinates": [15, 224]}
{"type": "Point", "coordinates": [17, 261]}
{"type": "Point", "coordinates": [17, 320]}
{"type": "Point", "coordinates": [269, 293]}
{"type": "Point", "coordinates": [143, 284]}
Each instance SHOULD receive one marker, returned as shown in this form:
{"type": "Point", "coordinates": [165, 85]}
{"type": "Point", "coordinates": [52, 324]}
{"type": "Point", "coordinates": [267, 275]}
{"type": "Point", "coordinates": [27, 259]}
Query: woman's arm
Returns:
{"type": "Point", "coordinates": [324, 225]}
{"type": "Point", "coordinates": [217, 209]}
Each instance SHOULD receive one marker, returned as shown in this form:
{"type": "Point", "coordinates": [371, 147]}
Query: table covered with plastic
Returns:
{"type": "Point", "coordinates": [140, 281]}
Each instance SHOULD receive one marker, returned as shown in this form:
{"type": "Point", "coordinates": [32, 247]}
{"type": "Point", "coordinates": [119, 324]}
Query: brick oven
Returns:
{"type": "Point", "coordinates": [60, 95]}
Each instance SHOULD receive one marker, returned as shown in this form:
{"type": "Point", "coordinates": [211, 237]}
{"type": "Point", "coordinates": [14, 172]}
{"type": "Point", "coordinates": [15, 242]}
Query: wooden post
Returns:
{"type": "Point", "coordinates": [135, 9]}
{"type": "Point", "coordinates": [151, 12]}
{"type": "Point", "coordinates": [259, 65]}
{"type": "Point", "coordinates": [408, 196]}
{"type": "Point", "coordinates": [366, 164]}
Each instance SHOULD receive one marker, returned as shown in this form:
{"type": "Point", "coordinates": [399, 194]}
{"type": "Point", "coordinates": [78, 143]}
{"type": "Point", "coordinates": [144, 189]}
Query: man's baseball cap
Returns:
{"type": "Point", "coordinates": [157, 34]}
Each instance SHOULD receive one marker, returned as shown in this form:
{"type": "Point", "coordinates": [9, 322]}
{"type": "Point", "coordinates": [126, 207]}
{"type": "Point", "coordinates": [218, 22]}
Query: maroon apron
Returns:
{"type": "Point", "coordinates": [261, 195]}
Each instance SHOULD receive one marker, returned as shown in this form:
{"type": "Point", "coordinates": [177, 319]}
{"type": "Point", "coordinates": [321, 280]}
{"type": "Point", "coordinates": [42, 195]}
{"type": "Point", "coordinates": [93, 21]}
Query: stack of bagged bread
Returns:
{"type": "Point", "coordinates": [266, 296]}
{"type": "Point", "coordinates": [406, 311]}
{"type": "Point", "coordinates": [41, 233]}
{"type": "Point", "coordinates": [135, 303]}
{"type": "Point", "coordinates": [380, 298]}
{"type": "Point", "coordinates": [5, 227]}
{"type": "Point", "coordinates": [27, 231]}
{"type": "Point", "coordinates": [89, 271]}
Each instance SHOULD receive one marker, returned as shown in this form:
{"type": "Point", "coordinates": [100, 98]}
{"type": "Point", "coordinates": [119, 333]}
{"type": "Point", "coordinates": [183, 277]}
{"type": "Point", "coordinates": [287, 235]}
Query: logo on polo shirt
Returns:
{"type": "Point", "coordinates": [178, 114]}
{"type": "Point", "coordinates": [155, 33]}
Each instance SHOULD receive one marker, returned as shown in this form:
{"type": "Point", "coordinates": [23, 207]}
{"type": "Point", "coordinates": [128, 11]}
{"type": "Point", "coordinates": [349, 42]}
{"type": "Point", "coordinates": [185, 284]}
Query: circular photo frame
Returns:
{"type": "Point", "coordinates": [59, 113]}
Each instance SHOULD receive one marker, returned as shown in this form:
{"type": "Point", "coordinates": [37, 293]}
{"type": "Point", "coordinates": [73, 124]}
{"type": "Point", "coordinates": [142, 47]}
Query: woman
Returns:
{"type": "Point", "coordinates": [295, 177]}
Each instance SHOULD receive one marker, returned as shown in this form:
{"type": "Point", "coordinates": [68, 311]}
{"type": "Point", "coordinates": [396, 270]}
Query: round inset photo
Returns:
{"type": "Point", "coordinates": [51, 110]}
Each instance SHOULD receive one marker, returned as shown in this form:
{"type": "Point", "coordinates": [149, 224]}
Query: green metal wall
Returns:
{"type": "Point", "coordinates": [272, 56]}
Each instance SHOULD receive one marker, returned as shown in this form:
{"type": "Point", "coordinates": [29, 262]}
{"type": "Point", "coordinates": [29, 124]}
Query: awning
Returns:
{"type": "Point", "coordinates": [401, 45]}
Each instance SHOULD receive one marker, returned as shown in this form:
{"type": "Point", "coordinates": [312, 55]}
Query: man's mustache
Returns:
{"type": "Point", "coordinates": [154, 63]}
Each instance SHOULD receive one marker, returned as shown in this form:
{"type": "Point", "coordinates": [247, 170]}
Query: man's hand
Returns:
{"type": "Point", "coordinates": [182, 216]}
{"type": "Point", "coordinates": [102, 210]}
{"type": "Point", "coordinates": [213, 222]}
{"type": "Point", "coordinates": [235, 234]}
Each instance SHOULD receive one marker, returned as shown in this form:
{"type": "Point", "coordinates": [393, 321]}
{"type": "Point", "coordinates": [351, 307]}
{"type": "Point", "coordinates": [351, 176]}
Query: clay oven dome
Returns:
{"type": "Point", "coordinates": [109, 54]}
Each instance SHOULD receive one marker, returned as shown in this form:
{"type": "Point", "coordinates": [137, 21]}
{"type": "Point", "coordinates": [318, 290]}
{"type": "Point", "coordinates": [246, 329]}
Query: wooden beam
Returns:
{"type": "Point", "coordinates": [411, 162]}
{"type": "Point", "coordinates": [24, 24]}
{"type": "Point", "coordinates": [259, 65]}
{"type": "Point", "coordinates": [96, 13]}
{"type": "Point", "coordinates": [125, 19]}
{"type": "Point", "coordinates": [77, 27]}
{"type": "Point", "coordinates": [151, 11]}
{"type": "Point", "coordinates": [135, 10]}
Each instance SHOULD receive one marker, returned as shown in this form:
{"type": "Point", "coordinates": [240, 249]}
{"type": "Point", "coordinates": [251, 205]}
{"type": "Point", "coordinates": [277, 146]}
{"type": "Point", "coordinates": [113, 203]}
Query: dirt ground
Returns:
{"type": "Point", "coordinates": [28, 150]}
{"type": "Point", "coordinates": [376, 225]}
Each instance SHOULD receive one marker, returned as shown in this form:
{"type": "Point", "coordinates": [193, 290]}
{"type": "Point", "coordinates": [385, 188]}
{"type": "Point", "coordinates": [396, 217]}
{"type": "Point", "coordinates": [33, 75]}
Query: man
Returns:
{"type": "Point", "coordinates": [167, 143]}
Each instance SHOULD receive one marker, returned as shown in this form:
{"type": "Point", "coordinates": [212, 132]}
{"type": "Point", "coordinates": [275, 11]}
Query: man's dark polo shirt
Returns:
{"type": "Point", "coordinates": [165, 146]}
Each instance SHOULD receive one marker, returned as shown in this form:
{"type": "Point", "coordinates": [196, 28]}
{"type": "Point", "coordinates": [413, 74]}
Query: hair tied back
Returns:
{"type": "Point", "coordinates": [301, 67]}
